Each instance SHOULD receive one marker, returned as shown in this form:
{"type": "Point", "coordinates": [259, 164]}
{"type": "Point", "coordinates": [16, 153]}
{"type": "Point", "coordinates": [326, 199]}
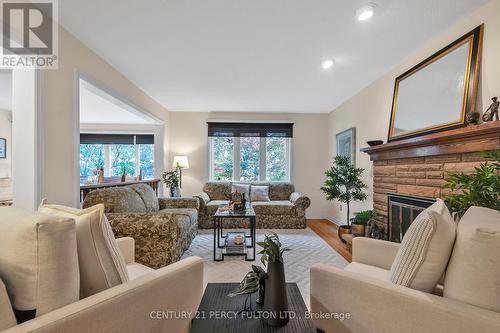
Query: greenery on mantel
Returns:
{"type": "Point", "coordinates": [480, 188]}
{"type": "Point", "coordinates": [344, 183]}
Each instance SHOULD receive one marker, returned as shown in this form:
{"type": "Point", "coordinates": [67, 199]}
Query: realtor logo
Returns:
{"type": "Point", "coordinates": [29, 33]}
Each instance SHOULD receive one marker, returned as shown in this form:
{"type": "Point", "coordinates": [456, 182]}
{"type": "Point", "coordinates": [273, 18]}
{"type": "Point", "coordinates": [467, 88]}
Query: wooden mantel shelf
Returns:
{"type": "Point", "coordinates": [481, 137]}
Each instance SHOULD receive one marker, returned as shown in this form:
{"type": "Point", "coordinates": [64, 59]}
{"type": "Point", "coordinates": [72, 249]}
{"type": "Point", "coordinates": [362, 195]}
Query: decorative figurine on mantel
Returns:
{"type": "Point", "coordinates": [472, 118]}
{"type": "Point", "coordinates": [492, 112]}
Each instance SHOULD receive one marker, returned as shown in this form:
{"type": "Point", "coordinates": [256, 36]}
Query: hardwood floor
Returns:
{"type": "Point", "coordinates": [328, 231]}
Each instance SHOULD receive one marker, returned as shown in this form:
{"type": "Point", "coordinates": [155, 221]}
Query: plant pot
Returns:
{"type": "Point", "coordinates": [175, 192]}
{"type": "Point", "coordinates": [275, 298]}
{"type": "Point", "coordinates": [343, 229]}
{"type": "Point", "coordinates": [358, 230]}
{"type": "Point", "coordinates": [368, 230]}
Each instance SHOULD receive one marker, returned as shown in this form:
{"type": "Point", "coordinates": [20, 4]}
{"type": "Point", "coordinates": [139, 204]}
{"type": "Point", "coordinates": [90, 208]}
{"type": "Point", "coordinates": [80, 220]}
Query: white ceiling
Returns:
{"type": "Point", "coordinates": [100, 107]}
{"type": "Point", "coordinates": [258, 55]}
{"type": "Point", "coordinates": [5, 90]}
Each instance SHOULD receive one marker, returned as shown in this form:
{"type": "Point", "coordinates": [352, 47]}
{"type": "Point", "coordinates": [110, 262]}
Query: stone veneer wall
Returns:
{"type": "Point", "coordinates": [418, 176]}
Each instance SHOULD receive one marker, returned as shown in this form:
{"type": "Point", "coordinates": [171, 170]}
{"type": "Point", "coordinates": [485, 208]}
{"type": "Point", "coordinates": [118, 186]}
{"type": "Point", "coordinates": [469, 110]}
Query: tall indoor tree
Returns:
{"type": "Point", "coordinates": [344, 184]}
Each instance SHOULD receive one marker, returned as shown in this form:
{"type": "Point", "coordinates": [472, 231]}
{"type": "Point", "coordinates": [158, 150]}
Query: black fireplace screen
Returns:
{"type": "Point", "coordinates": [403, 209]}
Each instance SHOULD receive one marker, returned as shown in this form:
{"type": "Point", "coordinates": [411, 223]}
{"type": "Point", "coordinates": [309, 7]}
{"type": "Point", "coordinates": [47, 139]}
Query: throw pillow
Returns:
{"type": "Point", "coordinates": [39, 261]}
{"type": "Point", "coordinates": [259, 193]}
{"type": "Point", "coordinates": [7, 318]}
{"type": "Point", "coordinates": [148, 196]}
{"type": "Point", "coordinates": [241, 188]}
{"type": "Point", "coordinates": [473, 275]}
{"type": "Point", "coordinates": [425, 249]}
{"type": "Point", "coordinates": [101, 263]}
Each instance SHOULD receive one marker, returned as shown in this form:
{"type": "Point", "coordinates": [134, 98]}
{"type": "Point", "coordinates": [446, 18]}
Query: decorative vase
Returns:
{"type": "Point", "coordinates": [175, 192]}
{"type": "Point", "coordinates": [275, 298]}
{"type": "Point", "coordinates": [358, 230]}
{"type": "Point", "coordinates": [343, 229]}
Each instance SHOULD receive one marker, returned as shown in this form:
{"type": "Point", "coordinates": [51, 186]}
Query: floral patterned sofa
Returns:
{"type": "Point", "coordinates": [163, 228]}
{"type": "Point", "coordinates": [285, 210]}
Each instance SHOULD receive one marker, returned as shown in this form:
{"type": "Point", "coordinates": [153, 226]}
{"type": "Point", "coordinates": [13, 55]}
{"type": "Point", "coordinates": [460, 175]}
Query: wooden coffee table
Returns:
{"type": "Point", "coordinates": [218, 312]}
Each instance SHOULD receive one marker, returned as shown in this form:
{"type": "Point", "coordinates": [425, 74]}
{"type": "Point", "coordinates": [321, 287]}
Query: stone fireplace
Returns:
{"type": "Point", "coordinates": [417, 167]}
{"type": "Point", "coordinates": [401, 211]}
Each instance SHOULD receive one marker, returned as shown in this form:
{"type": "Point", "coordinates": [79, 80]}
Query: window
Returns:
{"type": "Point", "coordinates": [147, 160]}
{"type": "Point", "coordinates": [122, 159]}
{"type": "Point", "coordinates": [249, 159]}
{"type": "Point", "coordinates": [255, 159]}
{"type": "Point", "coordinates": [249, 152]}
{"type": "Point", "coordinates": [277, 159]}
{"type": "Point", "coordinates": [91, 158]}
{"type": "Point", "coordinates": [114, 153]}
{"type": "Point", "coordinates": [222, 158]}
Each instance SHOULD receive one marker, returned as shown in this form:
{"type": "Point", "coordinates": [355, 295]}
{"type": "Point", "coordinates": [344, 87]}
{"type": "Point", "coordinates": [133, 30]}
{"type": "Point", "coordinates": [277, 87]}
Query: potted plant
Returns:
{"type": "Point", "coordinates": [171, 180]}
{"type": "Point", "coordinates": [480, 188]}
{"type": "Point", "coordinates": [344, 184]}
{"type": "Point", "coordinates": [361, 222]}
{"type": "Point", "coordinates": [275, 299]}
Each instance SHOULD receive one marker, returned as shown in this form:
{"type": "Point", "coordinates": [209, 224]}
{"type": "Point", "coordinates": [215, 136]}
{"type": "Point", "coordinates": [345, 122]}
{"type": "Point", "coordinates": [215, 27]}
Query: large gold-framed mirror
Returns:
{"type": "Point", "coordinates": [437, 93]}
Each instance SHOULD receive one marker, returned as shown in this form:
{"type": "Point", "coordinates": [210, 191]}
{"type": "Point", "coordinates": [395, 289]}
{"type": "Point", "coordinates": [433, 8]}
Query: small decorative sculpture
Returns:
{"type": "Point", "coordinates": [261, 273]}
{"type": "Point", "coordinates": [100, 177]}
{"type": "Point", "coordinates": [492, 112]}
{"type": "Point", "coordinates": [124, 176]}
{"type": "Point", "coordinates": [472, 118]}
{"type": "Point", "coordinates": [248, 286]}
{"type": "Point", "coordinates": [237, 201]}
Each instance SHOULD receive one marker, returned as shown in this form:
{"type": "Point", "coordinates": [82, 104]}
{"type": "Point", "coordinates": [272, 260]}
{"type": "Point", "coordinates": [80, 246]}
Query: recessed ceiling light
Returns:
{"type": "Point", "coordinates": [327, 64]}
{"type": "Point", "coordinates": [365, 12]}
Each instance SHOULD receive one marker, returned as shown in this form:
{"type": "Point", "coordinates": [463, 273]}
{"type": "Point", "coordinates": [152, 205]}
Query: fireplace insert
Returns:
{"type": "Point", "coordinates": [402, 210]}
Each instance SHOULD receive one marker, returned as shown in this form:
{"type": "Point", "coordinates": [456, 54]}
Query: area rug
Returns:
{"type": "Point", "coordinates": [307, 249]}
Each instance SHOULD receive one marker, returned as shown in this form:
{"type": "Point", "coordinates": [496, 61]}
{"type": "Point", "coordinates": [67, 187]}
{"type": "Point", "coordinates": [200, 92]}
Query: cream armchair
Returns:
{"type": "Point", "coordinates": [374, 305]}
{"type": "Point", "coordinates": [152, 302]}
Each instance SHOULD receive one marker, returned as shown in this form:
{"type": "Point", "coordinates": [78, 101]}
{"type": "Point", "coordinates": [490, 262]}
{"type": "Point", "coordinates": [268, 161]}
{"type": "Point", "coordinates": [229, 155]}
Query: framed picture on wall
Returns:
{"type": "Point", "coordinates": [346, 144]}
{"type": "Point", "coordinates": [3, 148]}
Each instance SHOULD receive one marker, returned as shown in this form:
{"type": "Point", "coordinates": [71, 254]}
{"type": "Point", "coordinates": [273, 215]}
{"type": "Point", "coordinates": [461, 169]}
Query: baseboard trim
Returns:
{"type": "Point", "coordinates": [334, 220]}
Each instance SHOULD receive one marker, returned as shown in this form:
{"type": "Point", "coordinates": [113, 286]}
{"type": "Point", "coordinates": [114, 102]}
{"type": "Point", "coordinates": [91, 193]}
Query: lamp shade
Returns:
{"type": "Point", "coordinates": [181, 162]}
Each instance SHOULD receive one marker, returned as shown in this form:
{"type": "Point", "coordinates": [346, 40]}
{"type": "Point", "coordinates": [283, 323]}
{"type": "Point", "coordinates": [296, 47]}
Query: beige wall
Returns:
{"type": "Point", "coordinates": [60, 132]}
{"type": "Point", "coordinates": [370, 109]}
{"type": "Point", "coordinates": [6, 133]}
{"type": "Point", "coordinates": [188, 136]}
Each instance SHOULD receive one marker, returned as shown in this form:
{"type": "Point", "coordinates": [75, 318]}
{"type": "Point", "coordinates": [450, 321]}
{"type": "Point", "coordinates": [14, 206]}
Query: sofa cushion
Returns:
{"type": "Point", "coordinates": [38, 260]}
{"type": "Point", "coordinates": [241, 188]}
{"type": "Point", "coordinates": [189, 212]}
{"type": "Point", "coordinates": [102, 265]}
{"type": "Point", "coordinates": [473, 274]}
{"type": "Point", "coordinates": [369, 270]}
{"type": "Point", "coordinates": [148, 196]}
{"type": "Point", "coordinates": [259, 193]}
{"type": "Point", "coordinates": [425, 249]}
{"type": "Point", "coordinates": [281, 207]}
{"type": "Point", "coordinates": [280, 190]}
{"type": "Point", "coordinates": [122, 199]}
{"type": "Point", "coordinates": [7, 318]}
{"type": "Point", "coordinates": [218, 190]}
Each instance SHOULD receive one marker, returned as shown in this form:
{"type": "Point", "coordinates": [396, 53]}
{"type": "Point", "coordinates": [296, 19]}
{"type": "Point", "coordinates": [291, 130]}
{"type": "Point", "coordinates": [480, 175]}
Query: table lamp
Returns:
{"type": "Point", "coordinates": [180, 162]}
